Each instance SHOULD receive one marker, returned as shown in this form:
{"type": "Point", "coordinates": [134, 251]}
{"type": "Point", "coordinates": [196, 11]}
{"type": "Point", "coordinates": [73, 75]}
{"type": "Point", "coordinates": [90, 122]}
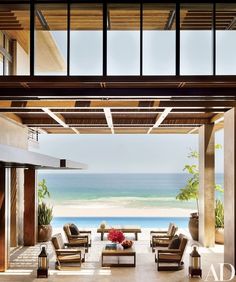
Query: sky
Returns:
{"type": "Point", "coordinates": [127, 153]}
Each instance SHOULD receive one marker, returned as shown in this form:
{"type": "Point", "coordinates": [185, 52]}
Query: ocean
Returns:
{"type": "Point", "coordinates": [118, 191]}
{"type": "Point", "coordinates": [143, 222]}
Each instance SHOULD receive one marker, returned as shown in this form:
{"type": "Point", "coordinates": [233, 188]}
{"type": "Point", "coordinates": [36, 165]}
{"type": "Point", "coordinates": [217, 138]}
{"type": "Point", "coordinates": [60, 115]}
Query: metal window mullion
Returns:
{"type": "Point", "coordinates": [177, 41]}
{"type": "Point", "coordinates": [68, 38]}
{"type": "Point", "coordinates": [104, 59]}
{"type": "Point", "coordinates": [141, 38]}
{"type": "Point", "coordinates": [214, 38]}
{"type": "Point", "coordinates": [32, 33]}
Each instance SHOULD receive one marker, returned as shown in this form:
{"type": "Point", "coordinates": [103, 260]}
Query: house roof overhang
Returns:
{"type": "Point", "coordinates": [20, 158]}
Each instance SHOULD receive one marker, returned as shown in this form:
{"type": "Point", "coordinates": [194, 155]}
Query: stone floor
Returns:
{"type": "Point", "coordinates": [23, 265]}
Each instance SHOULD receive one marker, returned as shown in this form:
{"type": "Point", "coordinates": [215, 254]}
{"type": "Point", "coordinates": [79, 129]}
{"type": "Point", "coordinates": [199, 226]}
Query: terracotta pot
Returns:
{"type": "Point", "coordinates": [219, 235]}
{"type": "Point", "coordinates": [193, 227]}
{"type": "Point", "coordinates": [44, 233]}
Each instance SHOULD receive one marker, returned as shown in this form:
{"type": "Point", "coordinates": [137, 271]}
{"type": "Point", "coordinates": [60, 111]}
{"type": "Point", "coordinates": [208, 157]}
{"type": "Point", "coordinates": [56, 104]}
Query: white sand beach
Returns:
{"type": "Point", "coordinates": [104, 211]}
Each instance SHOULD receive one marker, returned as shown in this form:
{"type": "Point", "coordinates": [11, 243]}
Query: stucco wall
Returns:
{"type": "Point", "coordinates": [13, 134]}
{"type": "Point", "coordinates": [22, 65]}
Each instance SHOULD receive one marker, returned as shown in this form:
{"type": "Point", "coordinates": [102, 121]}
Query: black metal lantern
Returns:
{"type": "Point", "coordinates": [195, 262]}
{"type": "Point", "coordinates": [42, 271]}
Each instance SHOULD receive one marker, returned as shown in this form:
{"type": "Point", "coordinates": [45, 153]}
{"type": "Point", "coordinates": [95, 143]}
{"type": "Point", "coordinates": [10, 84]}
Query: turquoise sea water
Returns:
{"type": "Point", "coordinates": [151, 190]}
{"type": "Point", "coordinates": [143, 222]}
{"type": "Point", "coordinates": [119, 190]}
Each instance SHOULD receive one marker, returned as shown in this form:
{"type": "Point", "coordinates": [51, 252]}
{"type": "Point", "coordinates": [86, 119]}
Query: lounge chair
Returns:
{"type": "Point", "coordinates": [65, 254]}
{"type": "Point", "coordinates": [77, 238]}
{"type": "Point", "coordinates": [161, 232]}
{"type": "Point", "coordinates": [162, 238]}
{"type": "Point", "coordinates": [172, 258]}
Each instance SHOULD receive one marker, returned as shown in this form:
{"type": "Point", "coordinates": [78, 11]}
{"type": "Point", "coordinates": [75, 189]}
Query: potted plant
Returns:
{"type": "Point", "coordinates": [44, 213]}
{"type": "Point", "coordinates": [219, 222]}
{"type": "Point", "coordinates": [191, 191]}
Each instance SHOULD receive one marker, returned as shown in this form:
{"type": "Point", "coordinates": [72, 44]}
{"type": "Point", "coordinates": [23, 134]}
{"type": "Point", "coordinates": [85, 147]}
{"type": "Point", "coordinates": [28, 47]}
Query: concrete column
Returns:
{"type": "Point", "coordinates": [30, 214]}
{"type": "Point", "coordinates": [4, 218]}
{"type": "Point", "coordinates": [207, 185]}
{"type": "Point", "coordinates": [230, 186]}
{"type": "Point", "coordinates": [13, 218]}
{"type": "Point", "coordinates": [20, 205]}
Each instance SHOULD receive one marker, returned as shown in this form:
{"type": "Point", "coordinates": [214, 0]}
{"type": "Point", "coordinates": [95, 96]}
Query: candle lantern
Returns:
{"type": "Point", "coordinates": [195, 262]}
{"type": "Point", "coordinates": [42, 271]}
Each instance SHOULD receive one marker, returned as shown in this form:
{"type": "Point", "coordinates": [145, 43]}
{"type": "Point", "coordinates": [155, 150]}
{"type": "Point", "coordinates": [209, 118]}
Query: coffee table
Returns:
{"type": "Point", "coordinates": [117, 257]}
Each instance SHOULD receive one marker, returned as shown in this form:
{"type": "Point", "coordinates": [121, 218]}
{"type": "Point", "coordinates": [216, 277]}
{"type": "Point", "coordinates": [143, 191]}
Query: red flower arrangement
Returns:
{"type": "Point", "coordinates": [116, 236]}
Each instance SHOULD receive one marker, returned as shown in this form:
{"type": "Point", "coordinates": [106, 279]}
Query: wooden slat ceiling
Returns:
{"type": "Point", "coordinates": [126, 116]}
{"type": "Point", "coordinates": [120, 17]}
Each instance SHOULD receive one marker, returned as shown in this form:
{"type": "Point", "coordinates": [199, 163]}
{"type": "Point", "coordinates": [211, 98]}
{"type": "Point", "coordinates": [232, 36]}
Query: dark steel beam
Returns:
{"type": "Point", "coordinates": [232, 24]}
{"type": "Point", "coordinates": [110, 1]}
{"type": "Point", "coordinates": [70, 93]}
{"type": "Point", "coordinates": [42, 19]}
{"type": "Point", "coordinates": [170, 21]}
{"type": "Point", "coordinates": [119, 79]}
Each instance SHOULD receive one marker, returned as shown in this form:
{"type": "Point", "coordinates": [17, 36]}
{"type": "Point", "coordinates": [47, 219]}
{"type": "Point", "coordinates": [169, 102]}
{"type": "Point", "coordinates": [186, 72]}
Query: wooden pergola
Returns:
{"type": "Point", "coordinates": [117, 105]}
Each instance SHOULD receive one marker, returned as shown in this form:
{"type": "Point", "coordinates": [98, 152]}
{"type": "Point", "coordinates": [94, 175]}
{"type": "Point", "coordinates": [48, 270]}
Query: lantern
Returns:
{"type": "Point", "coordinates": [195, 262]}
{"type": "Point", "coordinates": [42, 271]}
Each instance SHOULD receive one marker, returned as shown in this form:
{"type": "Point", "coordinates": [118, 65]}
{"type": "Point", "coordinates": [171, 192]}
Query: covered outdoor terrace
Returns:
{"type": "Point", "coordinates": [48, 87]}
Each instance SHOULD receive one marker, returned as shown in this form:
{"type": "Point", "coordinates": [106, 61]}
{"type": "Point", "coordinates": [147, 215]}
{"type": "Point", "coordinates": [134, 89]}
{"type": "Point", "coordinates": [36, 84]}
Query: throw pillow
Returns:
{"type": "Point", "coordinates": [174, 243]}
{"type": "Point", "coordinates": [74, 229]}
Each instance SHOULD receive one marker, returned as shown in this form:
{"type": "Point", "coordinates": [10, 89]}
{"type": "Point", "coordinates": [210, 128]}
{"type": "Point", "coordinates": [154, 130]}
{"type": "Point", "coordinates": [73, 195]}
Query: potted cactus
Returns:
{"type": "Point", "coordinates": [44, 213]}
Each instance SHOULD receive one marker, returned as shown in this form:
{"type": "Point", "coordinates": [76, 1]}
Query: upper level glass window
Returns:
{"type": "Point", "coordinates": [123, 39]}
{"type": "Point", "coordinates": [86, 39]}
{"type": "Point", "coordinates": [226, 39]}
{"type": "Point", "coordinates": [14, 39]}
{"type": "Point", "coordinates": [196, 39]}
{"type": "Point", "coordinates": [51, 39]}
{"type": "Point", "coordinates": [159, 39]}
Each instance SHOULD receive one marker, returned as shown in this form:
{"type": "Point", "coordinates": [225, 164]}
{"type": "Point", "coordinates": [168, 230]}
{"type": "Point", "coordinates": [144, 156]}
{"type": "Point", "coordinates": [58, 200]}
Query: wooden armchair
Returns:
{"type": "Point", "coordinates": [77, 238]}
{"type": "Point", "coordinates": [64, 254]}
{"type": "Point", "coordinates": [172, 258]}
{"type": "Point", "coordinates": [163, 238]}
{"type": "Point", "coordinates": [160, 232]}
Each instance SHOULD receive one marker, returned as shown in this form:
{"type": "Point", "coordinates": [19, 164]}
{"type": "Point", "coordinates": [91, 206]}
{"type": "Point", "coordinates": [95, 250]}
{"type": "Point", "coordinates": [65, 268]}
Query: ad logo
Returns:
{"type": "Point", "coordinates": [212, 273]}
